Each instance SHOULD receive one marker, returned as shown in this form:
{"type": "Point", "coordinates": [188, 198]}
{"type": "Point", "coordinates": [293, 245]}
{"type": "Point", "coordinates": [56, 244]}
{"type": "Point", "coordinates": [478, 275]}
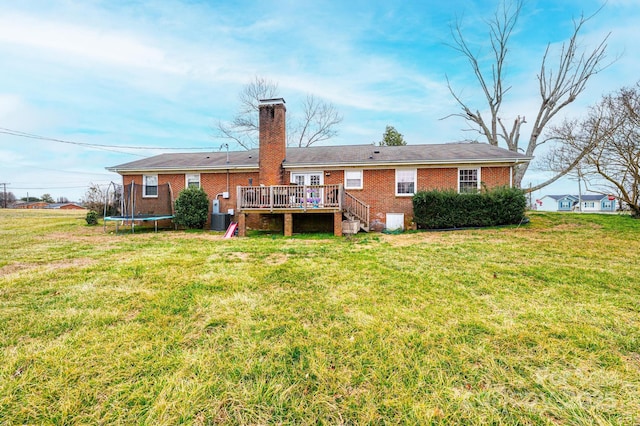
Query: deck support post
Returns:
{"type": "Point", "coordinates": [288, 224]}
{"type": "Point", "coordinates": [337, 224]}
{"type": "Point", "coordinates": [242, 225]}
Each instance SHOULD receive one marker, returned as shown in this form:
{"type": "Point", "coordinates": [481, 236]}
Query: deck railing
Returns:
{"type": "Point", "coordinates": [286, 197]}
{"type": "Point", "coordinates": [357, 208]}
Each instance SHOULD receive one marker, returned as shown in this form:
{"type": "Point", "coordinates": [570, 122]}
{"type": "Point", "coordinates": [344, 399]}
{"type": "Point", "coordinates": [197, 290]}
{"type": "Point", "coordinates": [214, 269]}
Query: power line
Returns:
{"type": "Point", "coordinates": [91, 145]}
{"type": "Point", "coordinates": [70, 171]}
{"type": "Point", "coordinates": [87, 145]}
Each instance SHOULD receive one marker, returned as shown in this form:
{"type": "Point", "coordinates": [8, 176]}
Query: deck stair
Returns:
{"type": "Point", "coordinates": [355, 209]}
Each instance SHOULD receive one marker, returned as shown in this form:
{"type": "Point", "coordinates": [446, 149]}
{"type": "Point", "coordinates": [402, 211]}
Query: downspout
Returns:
{"type": "Point", "coordinates": [511, 176]}
{"type": "Point", "coordinates": [173, 212]}
{"type": "Point", "coordinates": [133, 200]}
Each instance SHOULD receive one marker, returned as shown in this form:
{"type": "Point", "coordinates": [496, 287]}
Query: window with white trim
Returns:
{"type": "Point", "coordinates": [353, 179]}
{"type": "Point", "coordinates": [564, 204]}
{"type": "Point", "coordinates": [315, 179]}
{"type": "Point", "coordinates": [406, 181]}
{"type": "Point", "coordinates": [468, 180]}
{"type": "Point", "coordinates": [298, 179]}
{"type": "Point", "coordinates": [588, 204]}
{"type": "Point", "coordinates": [150, 185]}
{"type": "Point", "coordinates": [310, 178]}
{"type": "Point", "coordinates": [192, 180]}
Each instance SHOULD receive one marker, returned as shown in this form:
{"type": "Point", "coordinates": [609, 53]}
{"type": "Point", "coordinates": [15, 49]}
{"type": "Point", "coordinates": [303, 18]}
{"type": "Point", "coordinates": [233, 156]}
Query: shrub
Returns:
{"type": "Point", "coordinates": [448, 209]}
{"type": "Point", "coordinates": [192, 208]}
{"type": "Point", "coordinates": [92, 218]}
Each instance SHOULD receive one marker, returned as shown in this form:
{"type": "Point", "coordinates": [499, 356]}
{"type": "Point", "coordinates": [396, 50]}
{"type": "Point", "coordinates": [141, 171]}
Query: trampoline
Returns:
{"type": "Point", "coordinates": [136, 204]}
{"type": "Point", "coordinates": [133, 219]}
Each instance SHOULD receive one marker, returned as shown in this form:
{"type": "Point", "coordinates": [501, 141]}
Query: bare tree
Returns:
{"type": "Point", "coordinates": [94, 198]}
{"type": "Point", "coordinates": [609, 141]}
{"type": "Point", "coordinates": [6, 198]}
{"type": "Point", "coordinates": [244, 128]}
{"type": "Point", "coordinates": [559, 85]}
{"type": "Point", "coordinates": [317, 123]}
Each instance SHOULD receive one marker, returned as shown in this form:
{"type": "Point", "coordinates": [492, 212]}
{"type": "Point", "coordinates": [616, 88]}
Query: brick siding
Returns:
{"type": "Point", "coordinates": [495, 176]}
{"type": "Point", "coordinates": [273, 147]}
{"type": "Point", "coordinates": [378, 192]}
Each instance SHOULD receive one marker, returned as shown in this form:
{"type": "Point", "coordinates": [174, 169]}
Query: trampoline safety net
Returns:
{"type": "Point", "coordinates": [139, 201]}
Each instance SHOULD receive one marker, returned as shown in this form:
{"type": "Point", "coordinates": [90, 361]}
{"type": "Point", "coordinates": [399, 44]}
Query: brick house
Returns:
{"type": "Point", "coordinates": [65, 206]}
{"type": "Point", "coordinates": [32, 205]}
{"type": "Point", "coordinates": [299, 189]}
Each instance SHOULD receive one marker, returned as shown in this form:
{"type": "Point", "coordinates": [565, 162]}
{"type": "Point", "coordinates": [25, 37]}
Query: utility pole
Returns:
{"type": "Point", "coordinates": [4, 184]}
{"type": "Point", "coordinates": [579, 188]}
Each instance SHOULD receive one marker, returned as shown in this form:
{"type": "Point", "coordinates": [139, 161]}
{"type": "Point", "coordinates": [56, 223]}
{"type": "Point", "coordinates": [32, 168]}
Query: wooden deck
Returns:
{"type": "Point", "coordinates": [290, 199]}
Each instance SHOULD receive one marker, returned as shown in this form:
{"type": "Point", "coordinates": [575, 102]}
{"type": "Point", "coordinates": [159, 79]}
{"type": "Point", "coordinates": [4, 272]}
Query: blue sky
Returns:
{"type": "Point", "coordinates": [162, 73]}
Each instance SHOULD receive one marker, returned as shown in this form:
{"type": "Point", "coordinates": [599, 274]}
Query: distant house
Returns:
{"type": "Point", "coordinates": [299, 188]}
{"type": "Point", "coordinates": [45, 205]}
{"type": "Point", "coordinates": [590, 203]}
{"type": "Point", "coordinates": [557, 203]}
{"type": "Point", "coordinates": [18, 204]}
{"type": "Point", "coordinates": [32, 205]}
{"type": "Point", "coordinates": [65, 206]}
{"type": "Point", "coordinates": [598, 203]}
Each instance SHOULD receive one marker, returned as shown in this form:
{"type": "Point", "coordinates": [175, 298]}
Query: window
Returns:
{"type": "Point", "coordinates": [564, 204]}
{"type": "Point", "coordinates": [353, 179]}
{"type": "Point", "coordinates": [298, 179]}
{"type": "Point", "coordinates": [589, 204]}
{"type": "Point", "coordinates": [150, 185]}
{"type": "Point", "coordinates": [607, 205]}
{"type": "Point", "coordinates": [468, 180]}
{"type": "Point", "coordinates": [192, 181]}
{"type": "Point", "coordinates": [311, 178]}
{"type": "Point", "coordinates": [406, 182]}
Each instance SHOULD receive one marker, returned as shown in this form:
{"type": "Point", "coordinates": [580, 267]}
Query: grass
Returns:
{"type": "Point", "coordinates": [538, 324]}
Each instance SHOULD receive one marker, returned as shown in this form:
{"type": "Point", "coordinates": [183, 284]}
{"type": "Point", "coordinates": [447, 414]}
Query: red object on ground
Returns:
{"type": "Point", "coordinates": [231, 230]}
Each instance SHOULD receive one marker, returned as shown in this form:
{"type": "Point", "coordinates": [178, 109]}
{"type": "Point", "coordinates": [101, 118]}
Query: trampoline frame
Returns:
{"type": "Point", "coordinates": [125, 218]}
{"type": "Point", "coordinates": [133, 219]}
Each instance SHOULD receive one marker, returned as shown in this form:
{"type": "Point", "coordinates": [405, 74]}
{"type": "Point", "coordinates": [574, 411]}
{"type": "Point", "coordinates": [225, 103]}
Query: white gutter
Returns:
{"type": "Point", "coordinates": [506, 161]}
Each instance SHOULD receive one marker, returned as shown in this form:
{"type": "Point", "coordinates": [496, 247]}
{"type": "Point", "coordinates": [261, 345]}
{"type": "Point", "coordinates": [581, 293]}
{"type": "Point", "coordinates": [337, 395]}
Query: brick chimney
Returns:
{"type": "Point", "coordinates": [273, 145]}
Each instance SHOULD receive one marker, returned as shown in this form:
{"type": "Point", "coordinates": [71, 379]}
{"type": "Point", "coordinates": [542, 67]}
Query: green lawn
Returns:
{"type": "Point", "coordinates": [538, 324]}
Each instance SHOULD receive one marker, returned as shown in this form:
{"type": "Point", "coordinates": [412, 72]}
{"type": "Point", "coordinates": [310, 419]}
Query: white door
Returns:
{"type": "Point", "coordinates": [313, 195]}
{"type": "Point", "coordinates": [313, 178]}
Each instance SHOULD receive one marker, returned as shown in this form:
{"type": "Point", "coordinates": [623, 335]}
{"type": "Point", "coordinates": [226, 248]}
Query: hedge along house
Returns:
{"type": "Point", "coordinates": [316, 188]}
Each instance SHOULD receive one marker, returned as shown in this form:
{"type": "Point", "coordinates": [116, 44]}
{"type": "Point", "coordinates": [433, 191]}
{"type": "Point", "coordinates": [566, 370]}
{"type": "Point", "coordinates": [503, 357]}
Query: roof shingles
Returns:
{"type": "Point", "coordinates": [332, 156]}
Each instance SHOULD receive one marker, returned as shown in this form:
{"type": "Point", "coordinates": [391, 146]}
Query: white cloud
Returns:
{"type": "Point", "coordinates": [87, 43]}
{"type": "Point", "coordinates": [10, 157]}
{"type": "Point", "coordinates": [8, 104]}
